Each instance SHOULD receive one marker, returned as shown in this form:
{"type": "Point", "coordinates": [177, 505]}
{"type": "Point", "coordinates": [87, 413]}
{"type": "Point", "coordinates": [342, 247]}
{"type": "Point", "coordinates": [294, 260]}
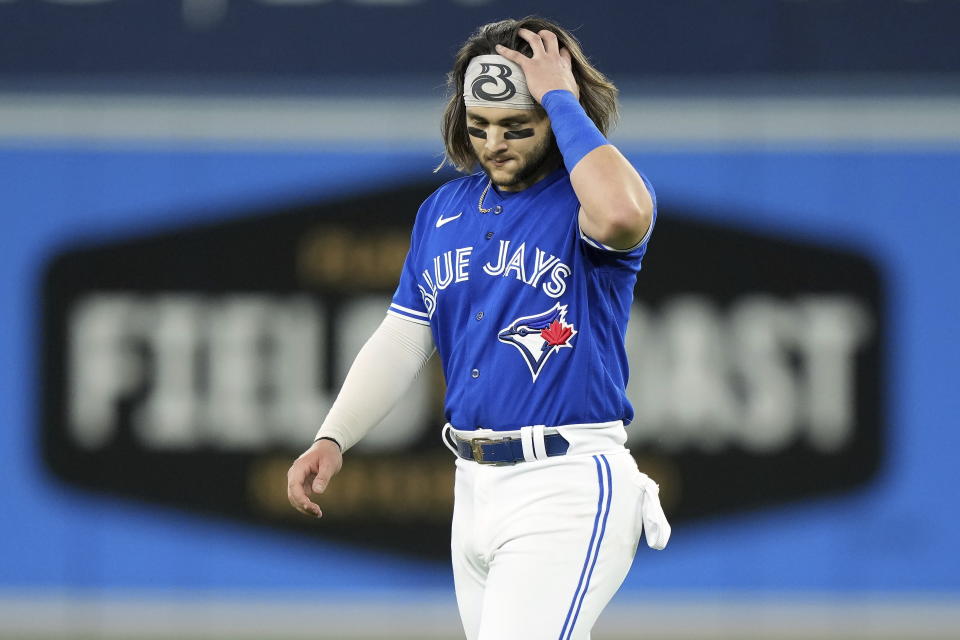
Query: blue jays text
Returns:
{"type": "Point", "coordinates": [452, 266]}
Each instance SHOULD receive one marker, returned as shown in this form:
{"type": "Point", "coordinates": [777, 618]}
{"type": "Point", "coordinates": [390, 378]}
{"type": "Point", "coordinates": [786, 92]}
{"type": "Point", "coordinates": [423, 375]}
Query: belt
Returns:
{"type": "Point", "coordinates": [505, 450]}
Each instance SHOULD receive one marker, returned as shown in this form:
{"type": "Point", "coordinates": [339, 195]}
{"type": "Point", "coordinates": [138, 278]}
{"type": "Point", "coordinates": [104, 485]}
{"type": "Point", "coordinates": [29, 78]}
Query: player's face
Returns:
{"type": "Point", "coordinates": [514, 146]}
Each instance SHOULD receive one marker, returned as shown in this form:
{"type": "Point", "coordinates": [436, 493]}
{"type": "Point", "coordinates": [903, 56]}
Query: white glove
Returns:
{"type": "Point", "coordinates": [655, 525]}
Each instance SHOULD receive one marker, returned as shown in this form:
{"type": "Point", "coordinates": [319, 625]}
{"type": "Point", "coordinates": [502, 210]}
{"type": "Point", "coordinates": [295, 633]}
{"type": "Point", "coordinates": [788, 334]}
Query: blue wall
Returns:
{"type": "Point", "coordinates": [683, 38]}
{"type": "Point", "coordinates": [897, 535]}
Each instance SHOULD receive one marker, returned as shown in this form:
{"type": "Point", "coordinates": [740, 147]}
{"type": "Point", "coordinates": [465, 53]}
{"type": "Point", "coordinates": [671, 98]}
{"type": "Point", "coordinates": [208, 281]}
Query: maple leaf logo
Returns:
{"type": "Point", "coordinates": [557, 334]}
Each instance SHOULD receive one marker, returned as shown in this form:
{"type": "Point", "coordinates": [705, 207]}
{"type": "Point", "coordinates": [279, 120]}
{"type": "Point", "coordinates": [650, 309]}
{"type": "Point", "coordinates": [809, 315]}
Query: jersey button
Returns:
{"type": "Point", "coordinates": [489, 234]}
{"type": "Point", "coordinates": [497, 210]}
{"type": "Point", "coordinates": [475, 373]}
{"type": "Point", "coordinates": [479, 315]}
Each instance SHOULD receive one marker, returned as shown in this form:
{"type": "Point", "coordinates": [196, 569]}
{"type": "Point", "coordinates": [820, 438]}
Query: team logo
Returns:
{"type": "Point", "coordinates": [508, 90]}
{"type": "Point", "coordinates": [540, 336]}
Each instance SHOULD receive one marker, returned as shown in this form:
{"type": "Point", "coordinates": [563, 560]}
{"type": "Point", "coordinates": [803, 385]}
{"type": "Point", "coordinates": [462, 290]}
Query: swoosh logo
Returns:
{"type": "Point", "coordinates": [442, 221]}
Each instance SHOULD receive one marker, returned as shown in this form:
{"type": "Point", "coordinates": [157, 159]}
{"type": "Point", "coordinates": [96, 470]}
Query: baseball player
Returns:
{"type": "Point", "coordinates": [521, 277]}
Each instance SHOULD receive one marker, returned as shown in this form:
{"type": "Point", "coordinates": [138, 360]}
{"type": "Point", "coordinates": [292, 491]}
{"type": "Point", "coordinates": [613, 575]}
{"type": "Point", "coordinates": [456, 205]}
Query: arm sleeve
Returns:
{"type": "Point", "coordinates": [386, 366]}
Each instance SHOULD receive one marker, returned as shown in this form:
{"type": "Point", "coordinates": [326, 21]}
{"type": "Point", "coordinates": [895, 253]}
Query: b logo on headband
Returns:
{"type": "Point", "coordinates": [493, 81]}
{"type": "Point", "coordinates": [509, 89]}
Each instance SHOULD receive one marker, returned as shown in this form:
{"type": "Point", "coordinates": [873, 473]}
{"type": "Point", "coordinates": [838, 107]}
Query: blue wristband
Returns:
{"type": "Point", "coordinates": [575, 132]}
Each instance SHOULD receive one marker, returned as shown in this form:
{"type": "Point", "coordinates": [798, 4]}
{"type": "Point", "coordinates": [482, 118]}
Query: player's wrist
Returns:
{"type": "Point", "coordinates": [333, 440]}
{"type": "Point", "coordinates": [576, 134]}
{"type": "Point", "coordinates": [559, 91]}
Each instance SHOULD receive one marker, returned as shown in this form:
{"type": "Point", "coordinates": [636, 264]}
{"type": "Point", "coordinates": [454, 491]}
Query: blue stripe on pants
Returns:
{"type": "Point", "coordinates": [593, 552]}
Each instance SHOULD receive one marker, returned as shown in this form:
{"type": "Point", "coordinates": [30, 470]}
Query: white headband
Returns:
{"type": "Point", "coordinates": [494, 81]}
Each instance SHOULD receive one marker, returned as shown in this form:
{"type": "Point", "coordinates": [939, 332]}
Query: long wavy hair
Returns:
{"type": "Point", "coordinates": [597, 94]}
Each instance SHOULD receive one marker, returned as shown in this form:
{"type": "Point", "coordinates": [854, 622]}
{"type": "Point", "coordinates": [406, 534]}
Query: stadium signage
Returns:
{"type": "Point", "coordinates": [189, 368]}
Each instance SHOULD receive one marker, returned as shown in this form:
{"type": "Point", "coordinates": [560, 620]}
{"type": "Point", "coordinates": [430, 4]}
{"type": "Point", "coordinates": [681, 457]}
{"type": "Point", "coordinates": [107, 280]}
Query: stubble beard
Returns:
{"type": "Point", "coordinates": [546, 153]}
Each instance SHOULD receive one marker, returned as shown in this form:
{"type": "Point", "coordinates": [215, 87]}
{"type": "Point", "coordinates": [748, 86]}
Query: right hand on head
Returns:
{"type": "Point", "coordinates": [311, 472]}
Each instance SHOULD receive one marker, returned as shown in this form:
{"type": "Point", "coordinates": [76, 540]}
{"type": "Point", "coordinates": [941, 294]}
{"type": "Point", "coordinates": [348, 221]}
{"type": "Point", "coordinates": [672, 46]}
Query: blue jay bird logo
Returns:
{"type": "Point", "coordinates": [540, 336]}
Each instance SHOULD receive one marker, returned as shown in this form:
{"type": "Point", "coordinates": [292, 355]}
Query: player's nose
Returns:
{"type": "Point", "coordinates": [495, 141]}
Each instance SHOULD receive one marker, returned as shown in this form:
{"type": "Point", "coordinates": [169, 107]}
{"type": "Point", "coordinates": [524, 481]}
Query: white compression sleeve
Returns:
{"type": "Point", "coordinates": [384, 369]}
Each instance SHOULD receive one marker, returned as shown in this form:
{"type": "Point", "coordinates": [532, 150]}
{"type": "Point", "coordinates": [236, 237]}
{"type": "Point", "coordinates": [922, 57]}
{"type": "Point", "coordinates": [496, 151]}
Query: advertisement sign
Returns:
{"type": "Point", "coordinates": [189, 367]}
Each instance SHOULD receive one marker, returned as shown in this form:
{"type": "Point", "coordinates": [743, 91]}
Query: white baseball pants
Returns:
{"type": "Point", "coordinates": [540, 547]}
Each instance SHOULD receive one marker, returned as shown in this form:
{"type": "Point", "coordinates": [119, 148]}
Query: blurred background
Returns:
{"type": "Point", "coordinates": [206, 204]}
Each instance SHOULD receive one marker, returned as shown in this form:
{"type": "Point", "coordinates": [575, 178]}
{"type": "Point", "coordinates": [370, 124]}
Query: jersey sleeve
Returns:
{"type": "Point", "coordinates": [410, 299]}
{"type": "Point", "coordinates": [637, 250]}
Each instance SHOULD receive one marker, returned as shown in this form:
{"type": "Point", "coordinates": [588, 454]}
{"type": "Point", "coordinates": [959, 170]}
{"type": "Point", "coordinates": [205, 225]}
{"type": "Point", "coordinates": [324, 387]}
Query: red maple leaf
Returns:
{"type": "Point", "coordinates": [556, 334]}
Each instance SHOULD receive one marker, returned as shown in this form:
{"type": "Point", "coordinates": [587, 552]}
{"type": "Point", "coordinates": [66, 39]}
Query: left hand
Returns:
{"type": "Point", "coordinates": [312, 472]}
{"type": "Point", "coordinates": [548, 69]}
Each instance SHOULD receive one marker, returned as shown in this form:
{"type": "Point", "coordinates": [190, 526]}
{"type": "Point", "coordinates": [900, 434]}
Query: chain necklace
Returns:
{"type": "Point", "coordinates": [484, 195]}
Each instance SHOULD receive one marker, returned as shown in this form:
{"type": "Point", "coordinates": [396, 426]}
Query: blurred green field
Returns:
{"type": "Point", "coordinates": [595, 636]}
{"type": "Point", "coordinates": [435, 618]}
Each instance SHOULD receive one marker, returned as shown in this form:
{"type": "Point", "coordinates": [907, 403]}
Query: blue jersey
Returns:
{"type": "Point", "coordinates": [528, 314]}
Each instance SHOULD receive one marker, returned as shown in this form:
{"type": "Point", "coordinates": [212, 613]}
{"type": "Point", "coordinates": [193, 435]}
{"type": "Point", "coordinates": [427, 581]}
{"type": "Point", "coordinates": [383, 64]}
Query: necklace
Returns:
{"type": "Point", "coordinates": [484, 195]}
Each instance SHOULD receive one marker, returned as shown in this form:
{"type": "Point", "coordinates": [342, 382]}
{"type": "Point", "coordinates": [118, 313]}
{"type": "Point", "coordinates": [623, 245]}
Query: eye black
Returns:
{"type": "Point", "coordinates": [477, 133]}
{"type": "Point", "coordinates": [519, 133]}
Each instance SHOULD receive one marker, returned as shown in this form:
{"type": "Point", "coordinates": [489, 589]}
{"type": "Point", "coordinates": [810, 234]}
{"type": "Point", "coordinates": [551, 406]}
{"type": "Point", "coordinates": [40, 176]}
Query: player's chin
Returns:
{"type": "Point", "coordinates": [502, 173]}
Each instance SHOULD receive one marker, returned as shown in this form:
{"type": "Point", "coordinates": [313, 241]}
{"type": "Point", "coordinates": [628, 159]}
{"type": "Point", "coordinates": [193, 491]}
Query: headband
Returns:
{"type": "Point", "coordinates": [494, 81]}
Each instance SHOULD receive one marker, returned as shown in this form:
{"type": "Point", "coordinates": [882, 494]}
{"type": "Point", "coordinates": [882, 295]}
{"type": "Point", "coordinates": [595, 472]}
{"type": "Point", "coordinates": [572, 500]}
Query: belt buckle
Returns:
{"type": "Point", "coordinates": [477, 451]}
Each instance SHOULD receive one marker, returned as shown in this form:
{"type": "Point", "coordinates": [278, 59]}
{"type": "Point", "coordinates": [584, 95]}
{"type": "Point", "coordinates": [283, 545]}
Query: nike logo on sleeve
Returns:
{"type": "Point", "coordinates": [442, 221]}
